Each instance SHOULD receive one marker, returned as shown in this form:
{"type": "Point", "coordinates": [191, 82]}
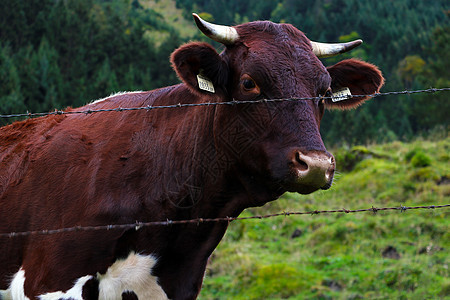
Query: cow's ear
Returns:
{"type": "Point", "coordinates": [360, 77]}
{"type": "Point", "coordinates": [201, 68]}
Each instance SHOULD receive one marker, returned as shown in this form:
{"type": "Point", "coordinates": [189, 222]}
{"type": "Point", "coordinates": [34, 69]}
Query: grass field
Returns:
{"type": "Point", "coordinates": [389, 255]}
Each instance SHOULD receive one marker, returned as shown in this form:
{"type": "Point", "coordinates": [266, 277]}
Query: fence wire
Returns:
{"type": "Point", "coordinates": [138, 225]}
{"type": "Point", "coordinates": [234, 102]}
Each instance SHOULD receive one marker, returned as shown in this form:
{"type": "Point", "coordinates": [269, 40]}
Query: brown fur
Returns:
{"type": "Point", "coordinates": [113, 168]}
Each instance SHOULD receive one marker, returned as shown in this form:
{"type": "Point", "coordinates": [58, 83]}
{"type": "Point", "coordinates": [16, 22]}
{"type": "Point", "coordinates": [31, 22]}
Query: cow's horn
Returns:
{"type": "Point", "coordinates": [327, 50]}
{"type": "Point", "coordinates": [223, 34]}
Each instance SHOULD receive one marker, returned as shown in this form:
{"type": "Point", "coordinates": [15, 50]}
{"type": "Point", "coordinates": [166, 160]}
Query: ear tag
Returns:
{"type": "Point", "coordinates": [205, 84]}
{"type": "Point", "coordinates": [341, 94]}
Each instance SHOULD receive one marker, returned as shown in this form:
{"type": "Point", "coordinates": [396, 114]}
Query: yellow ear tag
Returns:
{"type": "Point", "coordinates": [205, 84]}
{"type": "Point", "coordinates": [341, 94]}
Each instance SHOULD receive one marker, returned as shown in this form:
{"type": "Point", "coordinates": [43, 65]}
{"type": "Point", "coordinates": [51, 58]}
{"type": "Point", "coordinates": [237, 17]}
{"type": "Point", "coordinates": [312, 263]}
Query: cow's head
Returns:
{"type": "Point", "coordinates": [278, 145]}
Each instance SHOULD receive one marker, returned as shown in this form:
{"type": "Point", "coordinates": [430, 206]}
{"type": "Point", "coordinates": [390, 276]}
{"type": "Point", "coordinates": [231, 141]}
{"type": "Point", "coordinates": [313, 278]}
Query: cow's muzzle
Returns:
{"type": "Point", "coordinates": [310, 170]}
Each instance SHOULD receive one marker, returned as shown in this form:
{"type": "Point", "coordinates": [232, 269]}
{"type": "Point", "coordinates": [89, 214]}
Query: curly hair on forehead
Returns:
{"type": "Point", "coordinates": [265, 30]}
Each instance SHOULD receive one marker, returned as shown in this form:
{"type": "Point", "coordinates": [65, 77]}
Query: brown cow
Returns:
{"type": "Point", "coordinates": [184, 163]}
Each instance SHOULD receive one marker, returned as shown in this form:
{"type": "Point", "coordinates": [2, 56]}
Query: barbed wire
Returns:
{"type": "Point", "coordinates": [198, 221]}
{"type": "Point", "coordinates": [234, 102]}
{"type": "Point", "coordinates": [139, 225]}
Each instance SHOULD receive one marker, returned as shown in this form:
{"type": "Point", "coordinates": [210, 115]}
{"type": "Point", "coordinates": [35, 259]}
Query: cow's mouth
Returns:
{"type": "Point", "coordinates": [328, 185]}
{"type": "Point", "coordinates": [304, 189]}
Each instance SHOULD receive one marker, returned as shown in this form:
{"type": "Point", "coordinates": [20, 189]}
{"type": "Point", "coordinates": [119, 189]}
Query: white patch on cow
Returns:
{"type": "Point", "coordinates": [131, 274]}
{"type": "Point", "coordinates": [16, 288]}
{"type": "Point", "coordinates": [113, 95]}
{"type": "Point", "coordinates": [74, 293]}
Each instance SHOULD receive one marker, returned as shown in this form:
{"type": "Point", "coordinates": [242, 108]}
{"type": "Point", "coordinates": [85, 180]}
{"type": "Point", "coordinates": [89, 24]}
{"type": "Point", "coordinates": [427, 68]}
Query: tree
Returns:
{"type": "Point", "coordinates": [11, 98]}
{"type": "Point", "coordinates": [430, 110]}
{"type": "Point", "coordinates": [409, 68]}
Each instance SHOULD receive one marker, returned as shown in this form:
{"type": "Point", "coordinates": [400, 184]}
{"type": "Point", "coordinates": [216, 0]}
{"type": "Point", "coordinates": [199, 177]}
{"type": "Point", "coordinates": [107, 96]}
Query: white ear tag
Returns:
{"type": "Point", "coordinates": [341, 94]}
{"type": "Point", "coordinates": [205, 84]}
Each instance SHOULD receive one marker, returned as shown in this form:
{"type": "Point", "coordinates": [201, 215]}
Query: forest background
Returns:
{"type": "Point", "coordinates": [60, 53]}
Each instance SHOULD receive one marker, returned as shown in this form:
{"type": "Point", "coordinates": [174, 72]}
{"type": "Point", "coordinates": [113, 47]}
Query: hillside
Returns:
{"type": "Point", "coordinates": [172, 15]}
{"type": "Point", "coordinates": [390, 255]}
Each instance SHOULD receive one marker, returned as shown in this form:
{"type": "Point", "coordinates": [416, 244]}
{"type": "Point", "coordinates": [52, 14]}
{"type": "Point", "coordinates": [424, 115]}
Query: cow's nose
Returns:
{"type": "Point", "coordinates": [313, 168]}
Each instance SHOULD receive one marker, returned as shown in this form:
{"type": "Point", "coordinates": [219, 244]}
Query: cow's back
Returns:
{"type": "Point", "coordinates": [61, 171]}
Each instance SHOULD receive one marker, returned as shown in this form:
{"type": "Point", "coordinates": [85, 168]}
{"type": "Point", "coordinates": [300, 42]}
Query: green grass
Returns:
{"type": "Point", "coordinates": [343, 256]}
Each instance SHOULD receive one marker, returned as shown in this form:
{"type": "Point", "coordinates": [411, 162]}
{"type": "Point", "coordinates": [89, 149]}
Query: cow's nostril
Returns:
{"type": "Point", "coordinates": [313, 169]}
{"type": "Point", "coordinates": [301, 164]}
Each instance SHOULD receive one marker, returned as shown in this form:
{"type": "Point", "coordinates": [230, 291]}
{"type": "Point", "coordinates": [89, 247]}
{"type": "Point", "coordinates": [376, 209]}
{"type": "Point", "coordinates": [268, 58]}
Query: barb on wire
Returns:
{"type": "Point", "coordinates": [138, 225]}
{"type": "Point", "coordinates": [234, 102]}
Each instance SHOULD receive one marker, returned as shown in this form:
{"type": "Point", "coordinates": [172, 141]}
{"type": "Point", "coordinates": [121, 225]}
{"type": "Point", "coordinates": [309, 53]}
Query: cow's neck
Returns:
{"type": "Point", "coordinates": [195, 182]}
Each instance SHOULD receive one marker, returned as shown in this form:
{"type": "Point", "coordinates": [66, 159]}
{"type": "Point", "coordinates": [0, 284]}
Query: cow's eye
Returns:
{"type": "Point", "coordinates": [248, 84]}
